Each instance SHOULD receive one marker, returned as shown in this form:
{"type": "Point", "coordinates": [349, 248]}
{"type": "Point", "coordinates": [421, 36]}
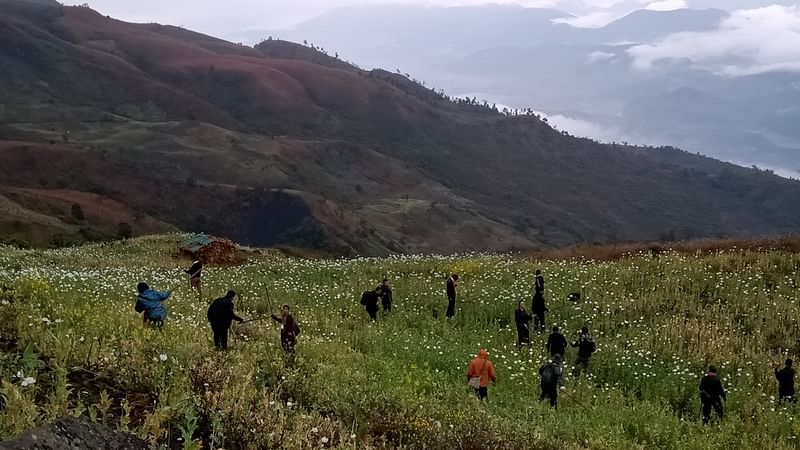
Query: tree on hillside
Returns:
{"type": "Point", "coordinates": [124, 231]}
{"type": "Point", "coordinates": [77, 212]}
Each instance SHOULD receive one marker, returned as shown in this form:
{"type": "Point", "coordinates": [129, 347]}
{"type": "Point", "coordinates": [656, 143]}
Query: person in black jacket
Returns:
{"type": "Point", "coordinates": [711, 394]}
{"type": "Point", "coordinates": [522, 318]}
{"type": "Point", "coordinates": [386, 295]}
{"type": "Point", "coordinates": [220, 315]}
{"type": "Point", "coordinates": [538, 307]}
{"type": "Point", "coordinates": [452, 292]}
{"type": "Point", "coordinates": [586, 347]}
{"type": "Point", "coordinates": [370, 300]}
{"type": "Point", "coordinates": [195, 273]}
{"type": "Point", "coordinates": [556, 343]}
{"type": "Point", "coordinates": [785, 379]}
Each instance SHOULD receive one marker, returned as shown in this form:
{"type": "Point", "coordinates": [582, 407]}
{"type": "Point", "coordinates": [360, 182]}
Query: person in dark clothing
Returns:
{"type": "Point", "coordinates": [538, 307]}
{"type": "Point", "coordinates": [711, 394]}
{"type": "Point", "coordinates": [556, 343]}
{"type": "Point", "coordinates": [552, 378]}
{"type": "Point", "coordinates": [386, 295]}
{"type": "Point", "coordinates": [785, 379]}
{"type": "Point", "coordinates": [289, 329]}
{"type": "Point", "coordinates": [586, 347]}
{"type": "Point", "coordinates": [220, 315]}
{"type": "Point", "coordinates": [370, 300]}
{"type": "Point", "coordinates": [195, 273]}
{"type": "Point", "coordinates": [523, 318]}
{"type": "Point", "coordinates": [452, 292]}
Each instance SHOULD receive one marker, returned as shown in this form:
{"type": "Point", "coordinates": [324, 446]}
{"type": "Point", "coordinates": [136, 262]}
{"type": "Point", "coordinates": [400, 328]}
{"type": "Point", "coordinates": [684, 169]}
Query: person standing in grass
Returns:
{"type": "Point", "coordinates": [220, 316]}
{"type": "Point", "coordinates": [370, 301]}
{"type": "Point", "coordinates": [452, 292]}
{"type": "Point", "coordinates": [195, 273]}
{"type": "Point", "coordinates": [150, 302]}
{"type": "Point", "coordinates": [785, 379]}
{"type": "Point", "coordinates": [586, 347]}
{"type": "Point", "coordinates": [523, 319]}
{"type": "Point", "coordinates": [711, 394]}
{"type": "Point", "coordinates": [480, 373]}
{"type": "Point", "coordinates": [538, 307]}
{"type": "Point", "coordinates": [386, 295]}
{"type": "Point", "coordinates": [289, 329]}
{"type": "Point", "coordinates": [552, 379]}
{"type": "Point", "coordinates": [556, 343]}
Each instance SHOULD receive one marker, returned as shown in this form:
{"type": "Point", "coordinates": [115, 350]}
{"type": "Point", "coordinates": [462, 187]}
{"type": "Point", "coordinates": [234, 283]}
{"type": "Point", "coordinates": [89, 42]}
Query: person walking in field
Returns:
{"type": "Point", "coordinates": [538, 307]}
{"type": "Point", "coordinates": [552, 375]}
{"type": "Point", "coordinates": [370, 301]}
{"type": "Point", "coordinates": [289, 329]}
{"type": "Point", "coordinates": [480, 373]}
{"type": "Point", "coordinates": [785, 379]}
{"type": "Point", "coordinates": [195, 273]}
{"type": "Point", "coordinates": [711, 394]}
{"type": "Point", "coordinates": [386, 295]}
{"type": "Point", "coordinates": [556, 343]}
{"type": "Point", "coordinates": [586, 347]}
{"type": "Point", "coordinates": [523, 319]}
{"type": "Point", "coordinates": [452, 292]}
{"type": "Point", "coordinates": [150, 303]}
{"type": "Point", "coordinates": [220, 316]}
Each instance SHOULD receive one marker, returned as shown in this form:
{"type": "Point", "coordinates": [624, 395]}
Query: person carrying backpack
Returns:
{"type": "Point", "coordinates": [150, 302]}
{"type": "Point", "coordinates": [556, 343]}
{"type": "Point", "coordinates": [785, 379]}
{"type": "Point", "coordinates": [552, 378]}
{"type": "Point", "coordinates": [370, 301]}
{"type": "Point", "coordinates": [220, 315]}
{"type": "Point", "coordinates": [479, 373]}
{"type": "Point", "coordinates": [586, 347]}
{"type": "Point", "coordinates": [289, 329]}
{"type": "Point", "coordinates": [711, 394]}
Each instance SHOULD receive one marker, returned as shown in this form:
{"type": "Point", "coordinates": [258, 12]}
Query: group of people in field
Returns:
{"type": "Point", "coordinates": [481, 371]}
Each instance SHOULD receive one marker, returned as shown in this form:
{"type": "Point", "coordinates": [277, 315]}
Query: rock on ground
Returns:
{"type": "Point", "coordinates": [71, 433]}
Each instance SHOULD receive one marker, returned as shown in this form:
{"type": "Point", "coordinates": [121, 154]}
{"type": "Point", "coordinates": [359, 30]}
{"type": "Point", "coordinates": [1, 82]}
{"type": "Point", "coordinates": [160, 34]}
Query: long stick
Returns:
{"type": "Point", "coordinates": [269, 300]}
{"type": "Point", "coordinates": [576, 401]}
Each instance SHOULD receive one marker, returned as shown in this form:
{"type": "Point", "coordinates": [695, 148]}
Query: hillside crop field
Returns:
{"type": "Point", "coordinates": [72, 344]}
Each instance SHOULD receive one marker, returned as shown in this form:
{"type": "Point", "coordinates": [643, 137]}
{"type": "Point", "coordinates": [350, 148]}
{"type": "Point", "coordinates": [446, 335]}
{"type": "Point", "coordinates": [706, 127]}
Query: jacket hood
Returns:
{"type": "Point", "coordinates": [483, 354]}
{"type": "Point", "coordinates": [150, 295]}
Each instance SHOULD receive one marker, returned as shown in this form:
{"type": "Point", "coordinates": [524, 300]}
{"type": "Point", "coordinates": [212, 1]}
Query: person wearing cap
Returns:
{"type": "Point", "coordinates": [289, 329]}
{"type": "Point", "coordinates": [711, 394]}
{"type": "Point", "coordinates": [552, 378]}
{"type": "Point", "coordinates": [785, 379]}
{"type": "Point", "coordinates": [149, 302]}
{"type": "Point", "coordinates": [220, 315]}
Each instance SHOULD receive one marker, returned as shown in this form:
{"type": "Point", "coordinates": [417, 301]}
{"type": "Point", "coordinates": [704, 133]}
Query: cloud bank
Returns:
{"type": "Point", "coordinates": [748, 42]}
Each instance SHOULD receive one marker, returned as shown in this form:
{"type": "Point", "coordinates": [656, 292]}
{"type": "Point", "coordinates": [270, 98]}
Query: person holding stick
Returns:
{"type": "Point", "coordinates": [220, 316]}
{"type": "Point", "coordinates": [195, 273]}
{"type": "Point", "coordinates": [711, 394]}
{"type": "Point", "coordinates": [289, 329]}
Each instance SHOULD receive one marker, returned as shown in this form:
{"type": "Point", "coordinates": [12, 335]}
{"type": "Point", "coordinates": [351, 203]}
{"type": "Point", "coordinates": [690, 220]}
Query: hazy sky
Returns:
{"type": "Point", "coordinates": [230, 18]}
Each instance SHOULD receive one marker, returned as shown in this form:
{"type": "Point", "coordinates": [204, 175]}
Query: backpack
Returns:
{"type": "Point", "coordinates": [364, 298]}
{"type": "Point", "coordinates": [587, 346]}
{"type": "Point", "coordinates": [549, 376]}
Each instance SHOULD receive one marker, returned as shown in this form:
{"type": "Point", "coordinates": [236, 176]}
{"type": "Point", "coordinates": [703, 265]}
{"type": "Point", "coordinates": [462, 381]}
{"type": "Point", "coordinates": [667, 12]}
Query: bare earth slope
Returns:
{"type": "Point", "coordinates": [283, 145]}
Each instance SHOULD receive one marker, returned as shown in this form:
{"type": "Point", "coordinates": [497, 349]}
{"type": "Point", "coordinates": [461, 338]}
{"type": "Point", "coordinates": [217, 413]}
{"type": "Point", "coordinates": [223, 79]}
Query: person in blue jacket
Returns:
{"type": "Point", "coordinates": [150, 302]}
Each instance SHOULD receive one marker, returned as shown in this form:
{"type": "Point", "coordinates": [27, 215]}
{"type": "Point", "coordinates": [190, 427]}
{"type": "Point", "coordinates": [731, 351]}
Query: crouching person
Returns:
{"type": "Point", "coordinates": [150, 302]}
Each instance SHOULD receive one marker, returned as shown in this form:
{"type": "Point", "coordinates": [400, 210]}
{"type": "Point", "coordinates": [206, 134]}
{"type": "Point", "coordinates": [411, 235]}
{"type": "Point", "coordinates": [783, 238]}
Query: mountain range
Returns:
{"type": "Point", "coordinates": [108, 128]}
{"type": "Point", "coordinates": [595, 82]}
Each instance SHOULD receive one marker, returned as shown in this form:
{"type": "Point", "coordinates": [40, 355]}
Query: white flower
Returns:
{"type": "Point", "coordinates": [324, 439]}
{"type": "Point", "coordinates": [163, 357]}
{"type": "Point", "coordinates": [353, 436]}
{"type": "Point", "coordinates": [20, 374]}
{"type": "Point", "coordinates": [315, 430]}
{"type": "Point", "coordinates": [28, 381]}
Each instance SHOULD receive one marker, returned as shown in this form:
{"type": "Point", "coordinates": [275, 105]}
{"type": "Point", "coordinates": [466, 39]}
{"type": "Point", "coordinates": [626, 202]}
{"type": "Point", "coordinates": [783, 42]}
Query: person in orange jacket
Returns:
{"type": "Point", "coordinates": [480, 373]}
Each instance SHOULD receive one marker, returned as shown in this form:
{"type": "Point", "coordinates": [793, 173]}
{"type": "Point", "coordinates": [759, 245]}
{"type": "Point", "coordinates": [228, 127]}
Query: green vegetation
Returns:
{"type": "Point", "coordinates": [74, 346]}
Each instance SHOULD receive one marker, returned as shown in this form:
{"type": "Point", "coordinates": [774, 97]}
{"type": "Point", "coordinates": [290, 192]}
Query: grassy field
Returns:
{"type": "Point", "coordinates": [73, 345]}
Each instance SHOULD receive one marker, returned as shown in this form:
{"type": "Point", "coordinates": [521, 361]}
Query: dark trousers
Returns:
{"type": "Point", "coordinates": [387, 306]}
{"type": "Point", "coordinates": [220, 338]}
{"type": "Point", "coordinates": [482, 393]}
{"type": "Point", "coordinates": [538, 320]}
{"type": "Point", "coordinates": [550, 392]}
{"type": "Point", "coordinates": [787, 397]}
{"type": "Point", "coordinates": [523, 336]}
{"type": "Point", "coordinates": [373, 313]}
{"type": "Point", "coordinates": [717, 405]}
{"type": "Point", "coordinates": [451, 307]}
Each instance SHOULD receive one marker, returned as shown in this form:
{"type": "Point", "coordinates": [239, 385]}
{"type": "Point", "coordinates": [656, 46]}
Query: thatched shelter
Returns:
{"type": "Point", "coordinates": [212, 249]}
